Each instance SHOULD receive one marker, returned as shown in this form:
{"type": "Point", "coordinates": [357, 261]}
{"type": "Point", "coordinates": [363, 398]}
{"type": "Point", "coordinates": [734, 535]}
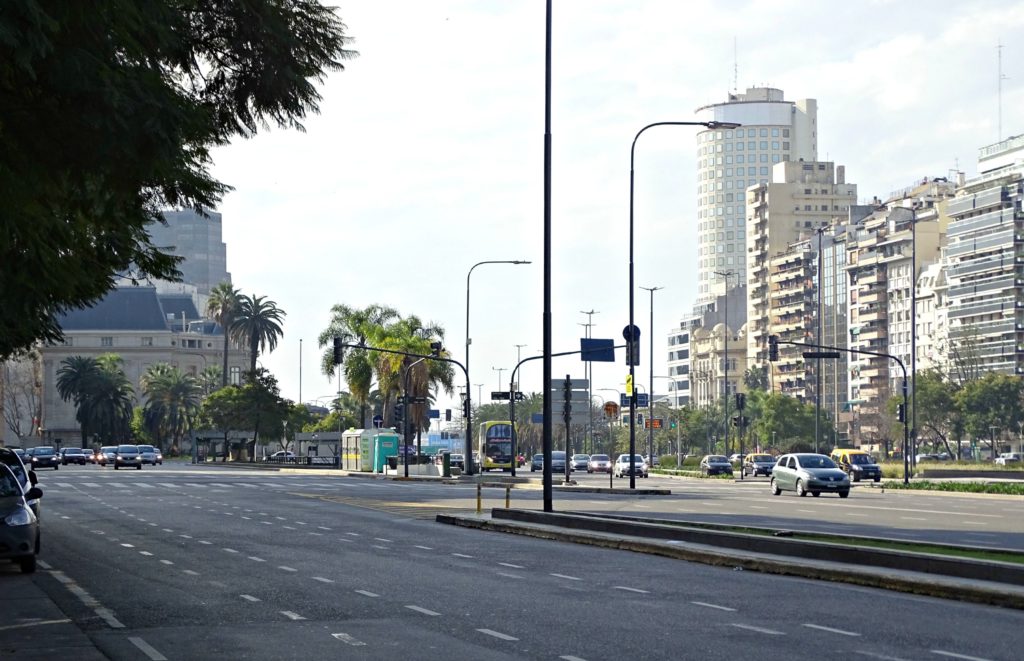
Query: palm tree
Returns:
{"type": "Point", "coordinates": [173, 401]}
{"type": "Point", "coordinates": [222, 307]}
{"type": "Point", "coordinates": [257, 325]}
{"type": "Point", "coordinates": [209, 378]}
{"type": "Point", "coordinates": [354, 326]}
{"type": "Point", "coordinates": [76, 379]}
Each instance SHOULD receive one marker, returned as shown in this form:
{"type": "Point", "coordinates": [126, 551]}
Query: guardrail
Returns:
{"type": "Point", "coordinates": [302, 461]}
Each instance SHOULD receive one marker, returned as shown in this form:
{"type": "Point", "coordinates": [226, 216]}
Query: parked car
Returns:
{"type": "Point", "coordinates": [758, 464]}
{"type": "Point", "coordinates": [736, 459]}
{"type": "Point", "coordinates": [537, 463]}
{"type": "Point", "coordinates": [858, 464]}
{"type": "Point", "coordinates": [150, 455]}
{"type": "Point", "coordinates": [599, 463]}
{"type": "Point", "coordinates": [106, 455]}
{"type": "Point", "coordinates": [558, 460]}
{"type": "Point", "coordinates": [580, 462]}
{"type": "Point", "coordinates": [1008, 459]}
{"type": "Point", "coordinates": [806, 472]}
{"type": "Point", "coordinates": [281, 457]}
{"type": "Point", "coordinates": [129, 456]}
{"type": "Point", "coordinates": [623, 466]}
{"type": "Point", "coordinates": [715, 464]}
{"type": "Point", "coordinates": [26, 476]}
{"type": "Point", "coordinates": [19, 532]}
{"type": "Point", "coordinates": [652, 462]}
{"type": "Point", "coordinates": [72, 456]}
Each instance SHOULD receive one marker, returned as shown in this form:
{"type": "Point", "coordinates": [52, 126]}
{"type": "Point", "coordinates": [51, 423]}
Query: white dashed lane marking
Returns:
{"type": "Point", "coordinates": [627, 589]}
{"type": "Point", "coordinates": [568, 578]}
{"type": "Point", "coordinates": [345, 638]}
{"type": "Point", "coordinates": [497, 634]}
{"type": "Point", "coordinates": [322, 579]}
{"type": "Point", "coordinates": [511, 566]}
{"type": "Point", "coordinates": [292, 616]}
{"type": "Point", "coordinates": [147, 649]}
{"type": "Point", "coordinates": [249, 597]}
{"type": "Point", "coordinates": [715, 606]}
{"type": "Point", "coordinates": [747, 627]}
{"type": "Point", "coordinates": [425, 611]}
{"type": "Point", "coordinates": [831, 630]}
{"type": "Point", "coordinates": [367, 593]}
{"type": "Point", "coordinates": [954, 655]}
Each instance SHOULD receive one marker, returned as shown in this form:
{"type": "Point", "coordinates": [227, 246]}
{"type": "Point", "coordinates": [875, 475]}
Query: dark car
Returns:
{"type": "Point", "coordinates": [43, 456]}
{"type": "Point", "coordinates": [715, 464]}
{"type": "Point", "coordinates": [128, 456]}
{"type": "Point", "coordinates": [72, 456]}
{"type": "Point", "coordinates": [19, 527]}
{"type": "Point", "coordinates": [758, 464]}
{"type": "Point", "coordinates": [26, 476]}
{"type": "Point", "coordinates": [537, 463]}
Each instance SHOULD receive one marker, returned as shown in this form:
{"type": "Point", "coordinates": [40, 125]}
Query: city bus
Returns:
{"type": "Point", "coordinates": [496, 445]}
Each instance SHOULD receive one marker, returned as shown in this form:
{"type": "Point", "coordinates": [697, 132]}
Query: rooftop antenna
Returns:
{"type": "Point", "coordinates": [999, 50]}
{"type": "Point", "coordinates": [735, 67]}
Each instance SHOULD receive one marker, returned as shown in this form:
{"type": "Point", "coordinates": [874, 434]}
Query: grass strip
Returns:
{"type": "Point", "coordinates": [1003, 488]}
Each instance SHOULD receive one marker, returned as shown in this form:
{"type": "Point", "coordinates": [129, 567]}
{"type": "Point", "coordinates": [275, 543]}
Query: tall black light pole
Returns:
{"type": "Point", "coordinates": [726, 274]}
{"type": "Point", "coordinates": [469, 403]}
{"type": "Point", "coordinates": [590, 375]}
{"type": "Point", "coordinates": [650, 388]}
{"type": "Point", "coordinates": [548, 424]}
{"type": "Point", "coordinates": [913, 332]}
{"type": "Point", "coordinates": [632, 284]}
{"type": "Point", "coordinates": [819, 340]}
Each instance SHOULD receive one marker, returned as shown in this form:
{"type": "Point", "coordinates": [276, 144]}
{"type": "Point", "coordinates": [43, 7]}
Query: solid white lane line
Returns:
{"type": "Point", "coordinates": [497, 634]}
{"type": "Point", "coordinates": [33, 624]}
{"type": "Point", "coordinates": [975, 523]}
{"type": "Point", "coordinates": [638, 590]}
{"type": "Point", "coordinates": [286, 568]}
{"type": "Point", "coordinates": [569, 578]}
{"type": "Point", "coordinates": [715, 606]}
{"type": "Point", "coordinates": [511, 566]}
{"type": "Point", "coordinates": [954, 655]}
{"type": "Point", "coordinates": [147, 649]}
{"type": "Point", "coordinates": [770, 632]}
{"type": "Point", "coordinates": [831, 630]}
{"type": "Point", "coordinates": [425, 548]}
{"type": "Point", "coordinates": [913, 518]}
{"type": "Point", "coordinates": [322, 579]}
{"type": "Point", "coordinates": [425, 611]}
{"type": "Point", "coordinates": [345, 638]}
{"type": "Point", "coordinates": [292, 616]}
{"type": "Point", "coordinates": [367, 593]}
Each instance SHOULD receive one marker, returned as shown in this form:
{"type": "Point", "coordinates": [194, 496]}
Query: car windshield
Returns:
{"type": "Point", "coordinates": [860, 459]}
{"type": "Point", "coordinates": [581, 457]}
{"type": "Point", "coordinates": [39, 452]}
{"type": "Point", "coordinates": [73, 451]}
{"type": "Point", "coordinates": [107, 448]}
{"type": "Point", "coordinates": [816, 461]}
{"type": "Point", "coordinates": [538, 457]}
{"type": "Point", "coordinates": [455, 457]}
{"type": "Point", "coordinates": [147, 448]}
{"type": "Point", "coordinates": [9, 485]}
{"type": "Point", "coordinates": [761, 457]}
{"type": "Point", "coordinates": [558, 455]}
{"type": "Point", "coordinates": [127, 448]}
{"type": "Point", "coordinates": [717, 459]}
{"type": "Point", "coordinates": [636, 459]}
{"type": "Point", "coordinates": [599, 457]}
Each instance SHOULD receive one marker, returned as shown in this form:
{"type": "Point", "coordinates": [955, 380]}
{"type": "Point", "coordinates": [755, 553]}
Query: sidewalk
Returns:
{"type": "Point", "coordinates": [33, 627]}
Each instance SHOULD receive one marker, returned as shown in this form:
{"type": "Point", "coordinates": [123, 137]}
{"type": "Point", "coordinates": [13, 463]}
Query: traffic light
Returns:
{"type": "Point", "coordinates": [447, 415]}
{"type": "Point", "coordinates": [901, 412]}
{"type": "Point", "coordinates": [773, 348]}
{"type": "Point", "coordinates": [435, 349]}
{"type": "Point", "coordinates": [339, 351]}
{"type": "Point", "coordinates": [399, 411]}
{"type": "Point", "coordinates": [741, 401]}
{"type": "Point", "coordinates": [465, 406]}
{"type": "Point", "coordinates": [640, 419]}
{"type": "Point", "coordinates": [567, 398]}
{"type": "Point", "coordinates": [672, 425]}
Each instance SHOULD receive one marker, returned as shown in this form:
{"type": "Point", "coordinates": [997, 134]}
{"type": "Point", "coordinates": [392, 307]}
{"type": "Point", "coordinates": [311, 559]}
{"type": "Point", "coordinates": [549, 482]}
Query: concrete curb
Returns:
{"type": "Point", "coordinates": [982, 592]}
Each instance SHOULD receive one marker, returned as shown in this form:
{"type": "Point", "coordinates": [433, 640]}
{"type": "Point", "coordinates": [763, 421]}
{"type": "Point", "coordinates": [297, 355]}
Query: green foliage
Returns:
{"type": "Point", "coordinates": [172, 404]}
{"type": "Point", "coordinates": [110, 114]}
{"type": "Point", "coordinates": [139, 432]}
{"type": "Point", "coordinates": [993, 401]}
{"type": "Point", "coordinates": [1006, 488]}
{"type": "Point", "coordinates": [257, 325]}
{"type": "Point", "coordinates": [333, 421]}
{"type": "Point", "coordinates": [222, 307]}
{"type": "Point", "coordinates": [254, 406]}
{"type": "Point", "coordinates": [102, 395]}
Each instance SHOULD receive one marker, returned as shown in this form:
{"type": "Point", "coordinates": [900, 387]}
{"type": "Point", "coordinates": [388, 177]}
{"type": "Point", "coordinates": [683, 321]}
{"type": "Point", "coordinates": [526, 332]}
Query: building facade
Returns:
{"type": "Point", "coordinates": [730, 161]}
{"type": "Point", "coordinates": [200, 241]}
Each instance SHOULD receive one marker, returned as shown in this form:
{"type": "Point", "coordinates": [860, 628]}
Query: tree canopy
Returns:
{"type": "Point", "coordinates": [109, 113]}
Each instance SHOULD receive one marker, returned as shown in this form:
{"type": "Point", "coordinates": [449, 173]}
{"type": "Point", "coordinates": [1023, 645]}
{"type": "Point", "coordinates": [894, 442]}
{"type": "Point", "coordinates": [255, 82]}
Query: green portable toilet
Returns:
{"type": "Point", "coordinates": [376, 446]}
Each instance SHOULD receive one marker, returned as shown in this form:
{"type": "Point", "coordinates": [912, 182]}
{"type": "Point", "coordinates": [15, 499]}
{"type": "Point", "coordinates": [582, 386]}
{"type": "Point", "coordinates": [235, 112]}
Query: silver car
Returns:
{"type": "Point", "coordinates": [807, 472]}
{"type": "Point", "coordinates": [128, 455]}
{"type": "Point", "coordinates": [150, 455]}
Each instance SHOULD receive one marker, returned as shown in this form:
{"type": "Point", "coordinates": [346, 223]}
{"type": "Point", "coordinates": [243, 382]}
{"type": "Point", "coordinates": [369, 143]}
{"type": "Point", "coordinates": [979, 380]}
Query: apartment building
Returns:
{"type": "Point", "coordinates": [718, 362]}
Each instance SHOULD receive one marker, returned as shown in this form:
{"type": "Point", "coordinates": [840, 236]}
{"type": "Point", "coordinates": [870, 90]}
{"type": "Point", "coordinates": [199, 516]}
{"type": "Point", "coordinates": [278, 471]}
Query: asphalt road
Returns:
{"type": "Point", "coordinates": [183, 562]}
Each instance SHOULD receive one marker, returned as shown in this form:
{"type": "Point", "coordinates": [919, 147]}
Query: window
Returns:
{"type": "Point", "coordinates": [764, 133]}
{"type": "Point", "coordinates": [775, 144]}
{"type": "Point", "coordinates": [739, 133]}
{"type": "Point", "coordinates": [106, 341]}
{"type": "Point", "coordinates": [785, 133]}
{"type": "Point", "coordinates": [147, 341]}
{"type": "Point", "coordinates": [751, 145]}
{"type": "Point", "coordinates": [764, 144]}
{"type": "Point", "coordinates": [235, 377]}
{"type": "Point", "coordinates": [785, 145]}
{"type": "Point", "coordinates": [775, 133]}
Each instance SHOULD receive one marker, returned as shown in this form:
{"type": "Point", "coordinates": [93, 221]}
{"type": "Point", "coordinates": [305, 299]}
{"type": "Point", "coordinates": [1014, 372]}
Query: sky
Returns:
{"type": "Point", "coordinates": [427, 157]}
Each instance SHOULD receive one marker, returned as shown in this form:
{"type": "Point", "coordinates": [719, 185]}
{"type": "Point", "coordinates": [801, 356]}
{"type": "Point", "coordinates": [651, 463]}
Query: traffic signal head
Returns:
{"type": "Point", "coordinates": [741, 401]}
{"type": "Point", "coordinates": [339, 351]}
{"type": "Point", "coordinates": [773, 348]}
{"type": "Point", "coordinates": [435, 349]}
{"type": "Point", "coordinates": [901, 412]}
{"type": "Point", "coordinates": [399, 411]}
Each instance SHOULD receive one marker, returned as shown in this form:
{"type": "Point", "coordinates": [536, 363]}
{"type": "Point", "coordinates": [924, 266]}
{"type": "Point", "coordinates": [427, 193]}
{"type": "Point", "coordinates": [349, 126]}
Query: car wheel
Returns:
{"type": "Point", "coordinates": [856, 477]}
{"type": "Point", "coordinates": [116, 466]}
{"type": "Point", "coordinates": [878, 479]}
{"type": "Point", "coordinates": [800, 491]}
{"type": "Point", "coordinates": [28, 565]}
{"type": "Point", "coordinates": [844, 494]}
{"type": "Point", "coordinates": [139, 467]}
{"type": "Point", "coordinates": [815, 493]}
{"type": "Point", "coordinates": [775, 489]}
{"type": "Point", "coordinates": [56, 468]}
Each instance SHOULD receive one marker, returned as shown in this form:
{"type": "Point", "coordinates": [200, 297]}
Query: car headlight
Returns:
{"type": "Point", "coordinates": [857, 468]}
{"type": "Point", "coordinates": [20, 517]}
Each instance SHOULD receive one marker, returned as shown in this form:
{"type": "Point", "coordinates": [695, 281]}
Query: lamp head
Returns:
{"type": "Point", "coordinates": [522, 261]}
{"type": "Point", "coordinates": [723, 125]}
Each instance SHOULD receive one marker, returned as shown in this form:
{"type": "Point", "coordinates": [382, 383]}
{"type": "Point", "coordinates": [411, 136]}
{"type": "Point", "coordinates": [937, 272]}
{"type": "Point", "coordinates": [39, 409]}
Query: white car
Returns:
{"type": "Point", "coordinates": [622, 466]}
{"type": "Point", "coordinates": [1008, 459]}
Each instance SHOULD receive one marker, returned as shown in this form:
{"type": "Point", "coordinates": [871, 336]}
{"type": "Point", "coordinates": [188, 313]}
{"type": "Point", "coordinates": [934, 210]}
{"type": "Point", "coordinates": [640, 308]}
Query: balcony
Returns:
{"type": "Point", "coordinates": [870, 333]}
{"type": "Point", "coordinates": [870, 315]}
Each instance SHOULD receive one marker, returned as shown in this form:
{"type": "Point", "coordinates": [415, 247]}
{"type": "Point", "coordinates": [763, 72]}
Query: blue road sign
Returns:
{"type": "Point", "coordinates": [537, 418]}
{"type": "Point", "coordinates": [597, 350]}
{"type": "Point", "coordinates": [623, 400]}
{"type": "Point", "coordinates": [378, 420]}
{"type": "Point", "coordinates": [435, 414]}
{"type": "Point", "coordinates": [643, 399]}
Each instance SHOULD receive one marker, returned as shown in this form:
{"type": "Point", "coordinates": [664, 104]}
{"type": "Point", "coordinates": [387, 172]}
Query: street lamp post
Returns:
{"type": "Point", "coordinates": [469, 404]}
{"type": "Point", "coordinates": [726, 274]}
{"type": "Point", "coordinates": [650, 389]}
{"type": "Point", "coordinates": [499, 370]}
{"type": "Point", "coordinates": [632, 283]}
{"type": "Point", "coordinates": [589, 375]}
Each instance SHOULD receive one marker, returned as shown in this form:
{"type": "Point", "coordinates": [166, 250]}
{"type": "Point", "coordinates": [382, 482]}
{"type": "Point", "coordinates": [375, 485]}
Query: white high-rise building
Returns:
{"type": "Point", "coordinates": [729, 161]}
